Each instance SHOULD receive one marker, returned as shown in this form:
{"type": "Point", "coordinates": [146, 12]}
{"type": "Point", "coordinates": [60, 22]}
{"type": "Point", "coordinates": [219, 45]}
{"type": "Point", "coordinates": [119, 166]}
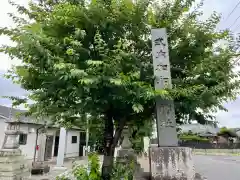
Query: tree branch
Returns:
{"type": "Point", "coordinates": [118, 131]}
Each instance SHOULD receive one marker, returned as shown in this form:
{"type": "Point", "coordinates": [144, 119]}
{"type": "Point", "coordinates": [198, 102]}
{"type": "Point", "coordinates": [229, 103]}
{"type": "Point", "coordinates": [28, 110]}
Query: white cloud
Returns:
{"type": "Point", "coordinates": [7, 87]}
{"type": "Point", "coordinates": [5, 62]}
{"type": "Point", "coordinates": [232, 117]}
{"type": "Point", "coordinates": [6, 21]}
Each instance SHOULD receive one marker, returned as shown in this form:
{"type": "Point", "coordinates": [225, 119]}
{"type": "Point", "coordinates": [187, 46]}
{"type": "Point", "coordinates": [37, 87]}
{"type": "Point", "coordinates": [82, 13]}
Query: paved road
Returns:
{"type": "Point", "coordinates": [211, 167]}
{"type": "Point", "coordinates": [218, 167]}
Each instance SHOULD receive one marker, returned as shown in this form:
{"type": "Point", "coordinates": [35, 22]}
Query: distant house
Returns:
{"type": "Point", "coordinates": [201, 131]}
{"type": "Point", "coordinates": [237, 131]}
{"type": "Point", "coordinates": [213, 133]}
{"type": "Point", "coordinates": [75, 137]}
{"type": "Point", "coordinates": [233, 134]}
{"type": "Point", "coordinates": [206, 130]}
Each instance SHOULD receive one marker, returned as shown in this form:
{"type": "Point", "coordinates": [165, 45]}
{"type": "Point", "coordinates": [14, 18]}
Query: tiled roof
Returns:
{"type": "Point", "coordinates": [12, 114]}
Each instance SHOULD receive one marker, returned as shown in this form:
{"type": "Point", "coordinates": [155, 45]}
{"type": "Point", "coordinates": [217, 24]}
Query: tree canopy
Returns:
{"type": "Point", "coordinates": [227, 132]}
{"type": "Point", "coordinates": [95, 57]}
{"type": "Point", "coordinates": [86, 57]}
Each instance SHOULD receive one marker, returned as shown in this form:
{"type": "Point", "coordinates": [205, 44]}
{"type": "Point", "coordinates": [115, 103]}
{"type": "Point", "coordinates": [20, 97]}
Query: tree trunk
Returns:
{"type": "Point", "coordinates": [107, 166]}
{"type": "Point", "coordinates": [108, 148]}
{"type": "Point", "coordinates": [110, 142]}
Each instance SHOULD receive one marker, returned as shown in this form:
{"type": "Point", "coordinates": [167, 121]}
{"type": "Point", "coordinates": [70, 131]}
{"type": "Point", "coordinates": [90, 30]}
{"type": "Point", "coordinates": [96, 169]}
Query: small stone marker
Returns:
{"type": "Point", "coordinates": [126, 155]}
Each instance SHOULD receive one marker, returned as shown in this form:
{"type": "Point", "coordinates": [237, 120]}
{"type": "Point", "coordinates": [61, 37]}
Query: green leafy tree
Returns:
{"type": "Point", "coordinates": [227, 132]}
{"type": "Point", "coordinates": [95, 57]}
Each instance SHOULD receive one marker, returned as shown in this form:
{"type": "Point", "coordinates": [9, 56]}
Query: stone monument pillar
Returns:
{"type": "Point", "coordinates": [13, 165]}
{"type": "Point", "coordinates": [168, 161]}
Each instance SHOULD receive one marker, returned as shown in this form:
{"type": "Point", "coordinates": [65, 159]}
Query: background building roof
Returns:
{"type": "Point", "coordinates": [12, 114]}
{"type": "Point", "coordinates": [199, 129]}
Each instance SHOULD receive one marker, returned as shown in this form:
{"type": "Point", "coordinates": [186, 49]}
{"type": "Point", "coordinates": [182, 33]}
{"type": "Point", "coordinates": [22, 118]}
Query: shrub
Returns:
{"type": "Point", "coordinates": [92, 172]}
{"type": "Point", "coordinates": [192, 137]}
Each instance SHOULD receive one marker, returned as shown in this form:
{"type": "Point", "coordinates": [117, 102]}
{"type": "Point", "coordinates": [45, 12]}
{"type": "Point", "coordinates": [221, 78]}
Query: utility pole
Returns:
{"type": "Point", "coordinates": [87, 137]}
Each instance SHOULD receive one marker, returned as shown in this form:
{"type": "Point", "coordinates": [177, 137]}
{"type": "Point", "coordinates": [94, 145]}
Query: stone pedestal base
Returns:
{"type": "Point", "coordinates": [39, 168]}
{"type": "Point", "coordinates": [127, 156]}
{"type": "Point", "coordinates": [13, 166]}
{"type": "Point", "coordinates": [172, 163]}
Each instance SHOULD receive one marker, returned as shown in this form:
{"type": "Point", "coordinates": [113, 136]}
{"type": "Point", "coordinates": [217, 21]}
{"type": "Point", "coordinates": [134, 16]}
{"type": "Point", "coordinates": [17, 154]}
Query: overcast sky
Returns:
{"type": "Point", "coordinates": [229, 119]}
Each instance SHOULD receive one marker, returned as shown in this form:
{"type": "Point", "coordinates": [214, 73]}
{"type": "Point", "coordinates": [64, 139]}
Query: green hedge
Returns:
{"type": "Point", "coordinates": [185, 137]}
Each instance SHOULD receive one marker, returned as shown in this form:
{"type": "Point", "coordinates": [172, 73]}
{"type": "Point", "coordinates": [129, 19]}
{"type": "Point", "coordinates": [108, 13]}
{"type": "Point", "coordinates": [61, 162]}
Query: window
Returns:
{"type": "Point", "coordinates": [22, 139]}
{"type": "Point", "coordinates": [74, 139]}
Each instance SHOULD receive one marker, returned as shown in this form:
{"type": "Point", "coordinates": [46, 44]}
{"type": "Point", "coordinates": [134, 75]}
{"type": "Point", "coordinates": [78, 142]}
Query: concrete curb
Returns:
{"type": "Point", "coordinates": [146, 176]}
{"type": "Point", "coordinates": [215, 154]}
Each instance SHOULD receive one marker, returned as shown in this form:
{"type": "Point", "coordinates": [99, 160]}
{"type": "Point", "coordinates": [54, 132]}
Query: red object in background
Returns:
{"type": "Point", "coordinates": [37, 147]}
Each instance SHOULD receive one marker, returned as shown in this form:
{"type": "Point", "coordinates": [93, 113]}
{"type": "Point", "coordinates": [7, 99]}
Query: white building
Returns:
{"type": "Point", "coordinates": [44, 145]}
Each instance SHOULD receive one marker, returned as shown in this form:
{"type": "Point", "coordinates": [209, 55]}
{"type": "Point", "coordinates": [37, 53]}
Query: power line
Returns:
{"type": "Point", "coordinates": [234, 22]}
{"type": "Point", "coordinates": [237, 27]}
{"type": "Point", "coordinates": [233, 10]}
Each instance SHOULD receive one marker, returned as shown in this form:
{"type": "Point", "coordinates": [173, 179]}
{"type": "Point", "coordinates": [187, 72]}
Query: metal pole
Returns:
{"type": "Point", "coordinates": [87, 137]}
{"type": "Point", "coordinates": [150, 164]}
{"type": "Point", "coordinates": [35, 150]}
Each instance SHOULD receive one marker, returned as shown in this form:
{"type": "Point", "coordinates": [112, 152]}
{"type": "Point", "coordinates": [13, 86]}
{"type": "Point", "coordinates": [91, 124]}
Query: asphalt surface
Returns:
{"type": "Point", "coordinates": [218, 167]}
{"type": "Point", "coordinates": [208, 166]}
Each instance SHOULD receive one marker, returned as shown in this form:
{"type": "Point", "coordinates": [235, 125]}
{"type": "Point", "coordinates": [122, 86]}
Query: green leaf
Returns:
{"type": "Point", "coordinates": [70, 52]}
{"type": "Point", "coordinates": [186, 9]}
{"type": "Point", "coordinates": [137, 108]}
{"type": "Point", "coordinates": [78, 73]}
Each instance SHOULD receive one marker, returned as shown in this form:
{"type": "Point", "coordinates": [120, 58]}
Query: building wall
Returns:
{"type": "Point", "coordinates": [72, 149]}
{"type": "Point", "coordinates": [29, 147]}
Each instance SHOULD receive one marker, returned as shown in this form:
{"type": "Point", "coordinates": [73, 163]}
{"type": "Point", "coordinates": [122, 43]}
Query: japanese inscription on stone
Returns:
{"type": "Point", "coordinates": [166, 123]}
{"type": "Point", "coordinates": [168, 112]}
{"type": "Point", "coordinates": [161, 57]}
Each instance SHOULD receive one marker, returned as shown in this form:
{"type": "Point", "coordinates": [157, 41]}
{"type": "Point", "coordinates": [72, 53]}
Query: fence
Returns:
{"type": "Point", "coordinates": [208, 147]}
